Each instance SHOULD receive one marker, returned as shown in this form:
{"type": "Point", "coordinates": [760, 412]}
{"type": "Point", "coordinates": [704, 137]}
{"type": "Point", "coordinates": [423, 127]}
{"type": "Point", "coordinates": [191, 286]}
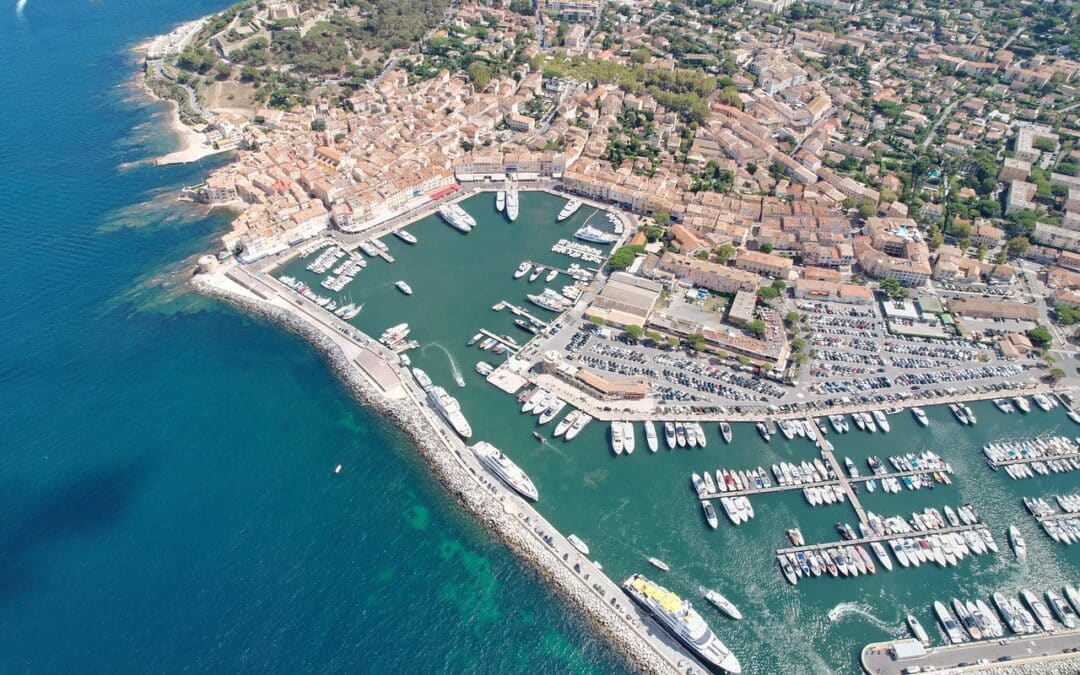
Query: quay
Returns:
{"type": "Point", "coordinates": [560, 270]}
{"type": "Point", "coordinates": [1031, 460]}
{"type": "Point", "coordinates": [878, 658]}
{"type": "Point", "coordinates": [881, 537]}
{"type": "Point", "coordinates": [384, 255]}
{"type": "Point", "coordinates": [820, 483]}
{"type": "Point", "coordinates": [518, 311]}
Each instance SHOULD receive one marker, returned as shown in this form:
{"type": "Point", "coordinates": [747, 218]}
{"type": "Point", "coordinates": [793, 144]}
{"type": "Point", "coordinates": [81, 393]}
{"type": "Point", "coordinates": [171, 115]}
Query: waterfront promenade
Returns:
{"type": "Point", "coordinates": [646, 644]}
{"type": "Point", "coordinates": [978, 656]}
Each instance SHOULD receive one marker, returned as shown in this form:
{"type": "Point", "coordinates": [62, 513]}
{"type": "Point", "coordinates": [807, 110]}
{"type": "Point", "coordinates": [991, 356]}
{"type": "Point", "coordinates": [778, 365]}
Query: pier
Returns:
{"type": "Point", "coordinates": [518, 311]}
{"type": "Point", "coordinates": [830, 458]}
{"type": "Point", "coordinates": [820, 483]}
{"type": "Point", "coordinates": [881, 537]}
{"type": "Point", "coordinates": [384, 255]}
{"type": "Point", "coordinates": [1056, 516]}
{"type": "Point", "coordinates": [1031, 460]}
{"type": "Point", "coordinates": [509, 344]}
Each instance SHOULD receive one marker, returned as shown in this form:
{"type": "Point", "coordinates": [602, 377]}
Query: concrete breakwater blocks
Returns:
{"type": "Point", "coordinates": [514, 533]}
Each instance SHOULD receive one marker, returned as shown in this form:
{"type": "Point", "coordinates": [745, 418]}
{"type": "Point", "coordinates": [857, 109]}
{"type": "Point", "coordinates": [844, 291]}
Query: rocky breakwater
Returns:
{"type": "Point", "coordinates": [508, 524]}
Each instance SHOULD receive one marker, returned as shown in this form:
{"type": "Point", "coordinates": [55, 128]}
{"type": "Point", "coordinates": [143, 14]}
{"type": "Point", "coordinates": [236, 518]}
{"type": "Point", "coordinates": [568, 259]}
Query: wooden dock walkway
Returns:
{"type": "Point", "coordinates": [509, 344]}
{"type": "Point", "coordinates": [384, 255]}
{"type": "Point", "coordinates": [881, 538]}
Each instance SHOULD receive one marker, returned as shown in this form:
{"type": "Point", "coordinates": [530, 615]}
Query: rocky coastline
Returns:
{"type": "Point", "coordinates": [639, 655]}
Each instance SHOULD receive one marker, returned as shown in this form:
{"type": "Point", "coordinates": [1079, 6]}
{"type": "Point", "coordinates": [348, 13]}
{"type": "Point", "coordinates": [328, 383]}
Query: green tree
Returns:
{"type": "Point", "coordinates": [867, 209]}
{"type": "Point", "coordinates": [640, 55]}
{"type": "Point", "coordinates": [1018, 246]}
{"type": "Point", "coordinates": [479, 74]}
{"type": "Point", "coordinates": [622, 258]}
{"type": "Point", "coordinates": [768, 293]}
{"type": "Point", "coordinates": [779, 285]}
{"type": "Point", "coordinates": [891, 287]}
{"type": "Point", "coordinates": [766, 247]}
{"type": "Point", "coordinates": [636, 332]}
{"type": "Point", "coordinates": [1056, 374]}
{"type": "Point", "coordinates": [662, 218]}
{"type": "Point", "coordinates": [596, 320]}
{"type": "Point", "coordinates": [980, 253]}
{"type": "Point", "coordinates": [756, 326]}
{"type": "Point", "coordinates": [318, 125]}
{"type": "Point", "coordinates": [723, 253]}
{"type": "Point", "coordinates": [1039, 336]}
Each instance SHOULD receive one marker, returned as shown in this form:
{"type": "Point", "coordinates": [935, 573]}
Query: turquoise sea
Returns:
{"type": "Point", "coordinates": [167, 463]}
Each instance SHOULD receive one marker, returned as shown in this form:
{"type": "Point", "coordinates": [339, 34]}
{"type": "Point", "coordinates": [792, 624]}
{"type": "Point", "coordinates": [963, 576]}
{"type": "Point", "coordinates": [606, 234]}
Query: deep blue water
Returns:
{"type": "Point", "coordinates": [166, 463]}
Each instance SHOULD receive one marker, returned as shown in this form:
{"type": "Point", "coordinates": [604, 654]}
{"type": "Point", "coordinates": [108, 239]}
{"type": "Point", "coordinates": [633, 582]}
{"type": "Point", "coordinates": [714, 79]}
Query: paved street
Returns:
{"type": "Point", "coordinates": [876, 660]}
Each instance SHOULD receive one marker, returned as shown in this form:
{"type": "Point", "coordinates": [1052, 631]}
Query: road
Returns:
{"type": "Point", "coordinates": [941, 118]}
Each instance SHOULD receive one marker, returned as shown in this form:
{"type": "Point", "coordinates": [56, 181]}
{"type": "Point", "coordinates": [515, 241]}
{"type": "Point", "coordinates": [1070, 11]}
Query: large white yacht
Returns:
{"type": "Point", "coordinates": [570, 209]}
{"type": "Point", "coordinates": [457, 217]}
{"type": "Point", "coordinates": [590, 233]}
{"type": "Point", "coordinates": [505, 470]}
{"type": "Point", "coordinates": [679, 618]}
{"type": "Point", "coordinates": [512, 204]}
{"type": "Point", "coordinates": [450, 409]}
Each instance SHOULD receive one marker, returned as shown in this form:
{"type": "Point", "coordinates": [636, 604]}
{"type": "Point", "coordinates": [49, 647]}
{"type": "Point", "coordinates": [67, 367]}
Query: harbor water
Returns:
{"type": "Point", "coordinates": [629, 508]}
{"type": "Point", "coordinates": [170, 501]}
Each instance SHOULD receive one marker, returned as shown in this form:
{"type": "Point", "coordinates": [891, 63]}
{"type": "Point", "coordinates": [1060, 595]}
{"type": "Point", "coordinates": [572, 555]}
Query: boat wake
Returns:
{"type": "Point", "coordinates": [19, 7]}
{"type": "Point", "coordinates": [458, 377]}
{"type": "Point", "coordinates": [847, 608]}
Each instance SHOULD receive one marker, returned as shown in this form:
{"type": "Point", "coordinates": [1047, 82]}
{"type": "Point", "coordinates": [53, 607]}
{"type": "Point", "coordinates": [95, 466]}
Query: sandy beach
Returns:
{"type": "Point", "coordinates": [193, 144]}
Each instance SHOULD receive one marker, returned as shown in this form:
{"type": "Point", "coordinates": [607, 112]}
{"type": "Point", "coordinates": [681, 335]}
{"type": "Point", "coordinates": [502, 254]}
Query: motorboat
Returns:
{"type": "Point", "coordinates": [723, 604]}
{"type": "Point", "coordinates": [403, 287]}
{"type": "Point", "coordinates": [570, 209]}
{"type": "Point", "coordinates": [920, 416]}
{"type": "Point", "coordinates": [512, 204]}
{"type": "Point", "coordinates": [669, 435]}
{"type": "Point", "coordinates": [725, 431]}
{"type": "Point", "coordinates": [650, 436]}
{"type": "Point", "coordinates": [522, 269]}
{"type": "Point", "coordinates": [500, 200]}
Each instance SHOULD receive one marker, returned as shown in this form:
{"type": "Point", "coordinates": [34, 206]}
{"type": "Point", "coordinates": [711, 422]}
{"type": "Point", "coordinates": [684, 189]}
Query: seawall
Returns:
{"type": "Point", "coordinates": [639, 654]}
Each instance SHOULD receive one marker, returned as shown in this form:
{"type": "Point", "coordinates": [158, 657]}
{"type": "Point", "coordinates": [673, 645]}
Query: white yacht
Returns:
{"type": "Point", "coordinates": [1043, 402]}
{"type": "Point", "coordinates": [628, 437]}
{"type": "Point", "coordinates": [405, 236]}
{"type": "Point", "coordinates": [725, 431]}
{"type": "Point", "coordinates": [551, 275]}
{"type": "Point", "coordinates": [650, 436]}
{"type": "Point", "coordinates": [710, 514]}
{"type": "Point", "coordinates": [403, 287]}
{"type": "Point", "coordinates": [920, 416]}
{"type": "Point", "coordinates": [669, 435]}
{"type": "Point", "coordinates": [577, 426]}
{"type": "Point", "coordinates": [505, 470]}
{"type": "Point", "coordinates": [423, 379]}
{"type": "Point", "coordinates": [679, 618]}
{"type": "Point", "coordinates": [590, 233]}
{"type": "Point", "coordinates": [882, 422]}
{"type": "Point", "coordinates": [1017, 542]}
{"type": "Point", "coordinates": [616, 438]}
{"type": "Point", "coordinates": [457, 217]}
{"type": "Point", "coordinates": [523, 269]}
{"type": "Point", "coordinates": [450, 409]}
{"type": "Point", "coordinates": [512, 204]}
{"type": "Point", "coordinates": [723, 604]}
{"type": "Point", "coordinates": [570, 209]}
{"type": "Point", "coordinates": [1022, 404]}
{"type": "Point", "coordinates": [500, 200]}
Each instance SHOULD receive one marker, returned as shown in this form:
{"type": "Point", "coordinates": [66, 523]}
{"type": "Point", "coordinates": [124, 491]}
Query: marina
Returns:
{"type": "Point", "coordinates": [578, 481]}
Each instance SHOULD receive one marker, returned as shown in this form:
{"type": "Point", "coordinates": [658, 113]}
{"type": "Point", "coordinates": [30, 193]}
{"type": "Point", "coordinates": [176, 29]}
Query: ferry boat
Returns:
{"type": "Point", "coordinates": [591, 234]}
{"type": "Point", "coordinates": [500, 200]}
{"type": "Point", "coordinates": [650, 436]}
{"type": "Point", "coordinates": [450, 409]}
{"type": "Point", "coordinates": [505, 470]}
{"type": "Point", "coordinates": [1019, 547]}
{"type": "Point", "coordinates": [570, 209]}
{"type": "Point", "coordinates": [669, 435]}
{"type": "Point", "coordinates": [403, 287]}
{"type": "Point", "coordinates": [679, 618]}
{"type": "Point", "coordinates": [522, 269]}
{"type": "Point", "coordinates": [920, 416]}
{"type": "Point", "coordinates": [576, 542]}
{"type": "Point", "coordinates": [1022, 404]}
{"type": "Point", "coordinates": [659, 564]}
{"type": "Point", "coordinates": [882, 422]}
{"type": "Point", "coordinates": [457, 218]}
{"type": "Point", "coordinates": [405, 236]}
{"type": "Point", "coordinates": [512, 204]}
{"type": "Point", "coordinates": [723, 604]}
{"type": "Point", "coordinates": [917, 630]}
{"type": "Point", "coordinates": [725, 431]}
{"type": "Point", "coordinates": [710, 514]}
